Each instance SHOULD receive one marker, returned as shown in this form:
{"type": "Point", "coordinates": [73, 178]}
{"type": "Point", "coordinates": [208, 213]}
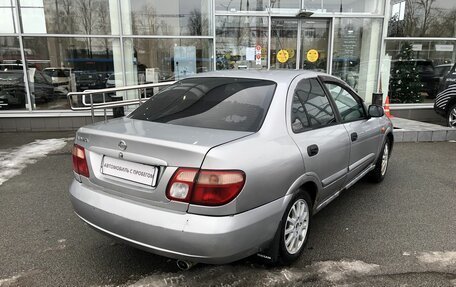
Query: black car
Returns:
{"type": "Point", "coordinates": [13, 93]}
{"type": "Point", "coordinates": [445, 104]}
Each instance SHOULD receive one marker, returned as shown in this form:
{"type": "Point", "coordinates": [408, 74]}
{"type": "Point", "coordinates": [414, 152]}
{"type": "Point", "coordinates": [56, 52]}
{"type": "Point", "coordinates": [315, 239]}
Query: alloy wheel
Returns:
{"type": "Point", "coordinates": [452, 118]}
{"type": "Point", "coordinates": [385, 159]}
{"type": "Point", "coordinates": [296, 226]}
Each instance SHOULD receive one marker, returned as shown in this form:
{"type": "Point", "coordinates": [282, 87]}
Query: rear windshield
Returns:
{"type": "Point", "coordinates": [218, 103]}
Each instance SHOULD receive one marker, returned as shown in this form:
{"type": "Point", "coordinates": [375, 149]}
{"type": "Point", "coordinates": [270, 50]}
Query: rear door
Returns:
{"type": "Point", "coordinates": [314, 127]}
{"type": "Point", "coordinates": [364, 132]}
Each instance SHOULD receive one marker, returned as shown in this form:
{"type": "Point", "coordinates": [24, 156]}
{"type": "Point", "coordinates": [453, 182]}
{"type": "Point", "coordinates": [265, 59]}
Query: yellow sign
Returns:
{"type": "Point", "coordinates": [312, 55]}
{"type": "Point", "coordinates": [282, 56]}
{"type": "Point", "coordinates": [291, 53]}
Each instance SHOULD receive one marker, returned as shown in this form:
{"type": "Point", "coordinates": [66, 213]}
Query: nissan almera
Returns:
{"type": "Point", "coordinates": [224, 165]}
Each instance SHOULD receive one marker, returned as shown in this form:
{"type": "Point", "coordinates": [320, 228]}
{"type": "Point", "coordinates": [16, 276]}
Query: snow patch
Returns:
{"type": "Point", "coordinates": [442, 259]}
{"type": "Point", "coordinates": [8, 281]}
{"type": "Point", "coordinates": [13, 161]}
{"type": "Point", "coordinates": [340, 270]}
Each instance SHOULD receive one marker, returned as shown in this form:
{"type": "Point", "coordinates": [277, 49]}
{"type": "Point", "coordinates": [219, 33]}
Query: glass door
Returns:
{"type": "Point", "coordinates": [284, 43]}
{"type": "Point", "coordinates": [314, 44]}
{"type": "Point", "coordinates": [300, 44]}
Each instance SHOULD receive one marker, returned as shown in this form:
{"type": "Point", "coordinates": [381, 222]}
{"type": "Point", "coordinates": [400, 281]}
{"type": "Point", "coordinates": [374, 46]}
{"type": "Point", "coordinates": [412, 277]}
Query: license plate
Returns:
{"type": "Point", "coordinates": [132, 171]}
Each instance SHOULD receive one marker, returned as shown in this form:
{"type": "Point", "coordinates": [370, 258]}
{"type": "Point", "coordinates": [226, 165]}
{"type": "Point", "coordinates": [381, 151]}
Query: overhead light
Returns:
{"type": "Point", "coordinates": [303, 13]}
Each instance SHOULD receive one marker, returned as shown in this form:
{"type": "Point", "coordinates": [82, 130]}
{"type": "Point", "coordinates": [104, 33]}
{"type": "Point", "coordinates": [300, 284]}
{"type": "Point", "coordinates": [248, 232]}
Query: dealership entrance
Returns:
{"type": "Point", "coordinates": [300, 44]}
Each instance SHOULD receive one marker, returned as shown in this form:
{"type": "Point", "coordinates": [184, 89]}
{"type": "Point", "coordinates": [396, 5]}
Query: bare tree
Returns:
{"type": "Point", "coordinates": [428, 15]}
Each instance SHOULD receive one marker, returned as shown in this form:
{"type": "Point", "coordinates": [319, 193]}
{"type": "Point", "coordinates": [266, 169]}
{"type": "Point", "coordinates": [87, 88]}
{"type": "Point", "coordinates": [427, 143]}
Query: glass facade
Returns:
{"type": "Point", "coordinates": [51, 47]}
{"type": "Point", "coordinates": [420, 43]}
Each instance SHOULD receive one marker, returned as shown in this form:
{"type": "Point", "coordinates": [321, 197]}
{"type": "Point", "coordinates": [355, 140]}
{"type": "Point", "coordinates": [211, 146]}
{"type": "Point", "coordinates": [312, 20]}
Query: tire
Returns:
{"type": "Point", "coordinates": [289, 251]}
{"type": "Point", "coordinates": [381, 166]}
{"type": "Point", "coordinates": [451, 116]}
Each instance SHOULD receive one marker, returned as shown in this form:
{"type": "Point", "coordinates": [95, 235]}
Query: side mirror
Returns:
{"type": "Point", "coordinates": [375, 111]}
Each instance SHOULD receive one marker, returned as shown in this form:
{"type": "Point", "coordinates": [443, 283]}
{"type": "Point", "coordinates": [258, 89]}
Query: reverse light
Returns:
{"type": "Point", "coordinates": [181, 184]}
{"type": "Point", "coordinates": [205, 187]}
{"type": "Point", "coordinates": [79, 161]}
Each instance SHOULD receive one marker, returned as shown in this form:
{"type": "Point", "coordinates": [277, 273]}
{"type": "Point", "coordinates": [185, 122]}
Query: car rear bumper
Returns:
{"type": "Point", "coordinates": [179, 235]}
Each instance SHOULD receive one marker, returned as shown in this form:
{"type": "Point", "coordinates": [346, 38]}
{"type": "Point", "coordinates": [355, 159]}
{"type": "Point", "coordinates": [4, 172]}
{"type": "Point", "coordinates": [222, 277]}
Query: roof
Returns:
{"type": "Point", "coordinates": [284, 76]}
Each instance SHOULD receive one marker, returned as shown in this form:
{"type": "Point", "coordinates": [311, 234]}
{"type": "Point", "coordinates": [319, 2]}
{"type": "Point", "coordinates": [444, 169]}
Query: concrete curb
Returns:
{"type": "Point", "coordinates": [414, 131]}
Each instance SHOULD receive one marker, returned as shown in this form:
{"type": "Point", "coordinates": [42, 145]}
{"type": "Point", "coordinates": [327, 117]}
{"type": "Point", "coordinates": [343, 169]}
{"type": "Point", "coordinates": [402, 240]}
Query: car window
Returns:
{"type": "Point", "coordinates": [219, 103]}
{"type": "Point", "coordinates": [349, 107]}
{"type": "Point", "coordinates": [39, 79]}
{"type": "Point", "coordinates": [310, 106]}
{"type": "Point", "coordinates": [299, 119]}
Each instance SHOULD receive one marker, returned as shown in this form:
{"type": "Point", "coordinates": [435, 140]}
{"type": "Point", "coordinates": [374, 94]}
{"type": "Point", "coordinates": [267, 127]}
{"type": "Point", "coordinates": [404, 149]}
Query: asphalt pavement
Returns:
{"type": "Point", "coordinates": [401, 232]}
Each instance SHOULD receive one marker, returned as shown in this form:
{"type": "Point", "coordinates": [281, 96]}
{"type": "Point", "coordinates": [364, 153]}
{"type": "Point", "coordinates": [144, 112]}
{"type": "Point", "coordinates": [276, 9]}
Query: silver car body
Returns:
{"type": "Point", "coordinates": [274, 159]}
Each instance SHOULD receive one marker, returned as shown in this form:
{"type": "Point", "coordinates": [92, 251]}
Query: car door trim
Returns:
{"type": "Point", "coordinates": [333, 178]}
{"type": "Point", "coordinates": [360, 162]}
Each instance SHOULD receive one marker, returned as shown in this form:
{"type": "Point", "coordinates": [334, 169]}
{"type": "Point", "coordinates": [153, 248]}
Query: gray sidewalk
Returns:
{"type": "Point", "coordinates": [413, 131]}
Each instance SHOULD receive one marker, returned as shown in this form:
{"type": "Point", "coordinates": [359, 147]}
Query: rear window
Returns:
{"type": "Point", "coordinates": [218, 103]}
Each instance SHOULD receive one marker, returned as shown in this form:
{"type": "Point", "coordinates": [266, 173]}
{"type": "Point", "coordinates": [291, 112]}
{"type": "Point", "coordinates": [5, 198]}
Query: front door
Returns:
{"type": "Point", "coordinates": [300, 44]}
{"type": "Point", "coordinates": [364, 132]}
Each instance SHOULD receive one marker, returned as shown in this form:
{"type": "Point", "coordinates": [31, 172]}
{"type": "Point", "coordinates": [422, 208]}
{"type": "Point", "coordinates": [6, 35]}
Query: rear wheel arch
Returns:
{"type": "Point", "coordinates": [311, 188]}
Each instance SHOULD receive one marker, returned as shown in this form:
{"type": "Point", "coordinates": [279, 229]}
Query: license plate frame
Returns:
{"type": "Point", "coordinates": [130, 171]}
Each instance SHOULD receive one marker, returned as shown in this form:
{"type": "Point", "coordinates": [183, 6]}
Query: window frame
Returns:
{"type": "Point", "coordinates": [358, 99]}
{"type": "Point", "coordinates": [330, 101]}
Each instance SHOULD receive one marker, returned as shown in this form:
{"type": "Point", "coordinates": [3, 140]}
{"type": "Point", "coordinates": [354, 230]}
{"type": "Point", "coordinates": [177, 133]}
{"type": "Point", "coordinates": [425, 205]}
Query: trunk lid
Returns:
{"type": "Point", "coordinates": [164, 147]}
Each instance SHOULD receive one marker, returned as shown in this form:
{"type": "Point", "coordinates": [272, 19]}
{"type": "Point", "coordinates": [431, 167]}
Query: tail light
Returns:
{"type": "Point", "coordinates": [79, 161]}
{"type": "Point", "coordinates": [205, 187]}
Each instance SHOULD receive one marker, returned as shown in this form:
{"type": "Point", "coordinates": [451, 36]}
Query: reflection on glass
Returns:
{"type": "Point", "coordinates": [241, 42]}
{"type": "Point", "coordinates": [7, 16]}
{"type": "Point", "coordinates": [284, 39]}
{"type": "Point", "coordinates": [356, 53]}
{"type": "Point", "coordinates": [422, 18]}
{"type": "Point", "coordinates": [66, 16]}
{"type": "Point", "coordinates": [314, 44]}
{"type": "Point", "coordinates": [351, 6]}
{"type": "Point", "coordinates": [241, 5]}
{"type": "Point", "coordinates": [159, 60]}
{"type": "Point", "coordinates": [177, 17]}
{"type": "Point", "coordinates": [58, 66]}
{"type": "Point", "coordinates": [432, 61]}
{"type": "Point", "coordinates": [12, 88]}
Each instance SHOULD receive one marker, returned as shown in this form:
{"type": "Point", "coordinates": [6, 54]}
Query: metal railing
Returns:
{"type": "Point", "coordinates": [104, 105]}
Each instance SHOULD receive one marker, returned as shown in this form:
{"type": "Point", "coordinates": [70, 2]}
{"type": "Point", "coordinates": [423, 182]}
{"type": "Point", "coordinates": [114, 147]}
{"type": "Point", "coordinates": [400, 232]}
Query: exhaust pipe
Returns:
{"type": "Point", "coordinates": [185, 265]}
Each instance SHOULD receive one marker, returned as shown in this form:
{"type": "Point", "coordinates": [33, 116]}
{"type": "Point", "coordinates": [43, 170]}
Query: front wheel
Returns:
{"type": "Point", "coordinates": [452, 117]}
{"type": "Point", "coordinates": [295, 228]}
{"type": "Point", "coordinates": [381, 166]}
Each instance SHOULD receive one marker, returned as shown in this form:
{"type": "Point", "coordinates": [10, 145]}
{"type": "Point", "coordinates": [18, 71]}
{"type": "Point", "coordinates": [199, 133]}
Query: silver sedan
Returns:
{"type": "Point", "coordinates": [224, 165]}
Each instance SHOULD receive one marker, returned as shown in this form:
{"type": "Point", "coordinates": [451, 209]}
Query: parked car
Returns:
{"type": "Point", "coordinates": [449, 78]}
{"type": "Point", "coordinates": [441, 71]}
{"type": "Point", "coordinates": [90, 80]}
{"type": "Point", "coordinates": [445, 104]}
{"type": "Point", "coordinates": [224, 165]}
{"type": "Point", "coordinates": [13, 93]}
{"type": "Point", "coordinates": [61, 79]}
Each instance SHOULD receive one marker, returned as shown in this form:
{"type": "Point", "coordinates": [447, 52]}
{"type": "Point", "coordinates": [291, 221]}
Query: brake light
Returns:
{"type": "Point", "coordinates": [205, 187]}
{"type": "Point", "coordinates": [79, 161]}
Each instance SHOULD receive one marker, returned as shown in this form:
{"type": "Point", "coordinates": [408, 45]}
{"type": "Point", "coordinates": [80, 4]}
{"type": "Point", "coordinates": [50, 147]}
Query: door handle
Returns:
{"type": "Point", "coordinates": [312, 150]}
{"type": "Point", "coordinates": [354, 137]}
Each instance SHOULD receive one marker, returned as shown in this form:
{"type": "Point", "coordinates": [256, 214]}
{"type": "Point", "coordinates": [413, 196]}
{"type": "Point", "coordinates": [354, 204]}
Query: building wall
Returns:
{"type": "Point", "coordinates": [51, 47]}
